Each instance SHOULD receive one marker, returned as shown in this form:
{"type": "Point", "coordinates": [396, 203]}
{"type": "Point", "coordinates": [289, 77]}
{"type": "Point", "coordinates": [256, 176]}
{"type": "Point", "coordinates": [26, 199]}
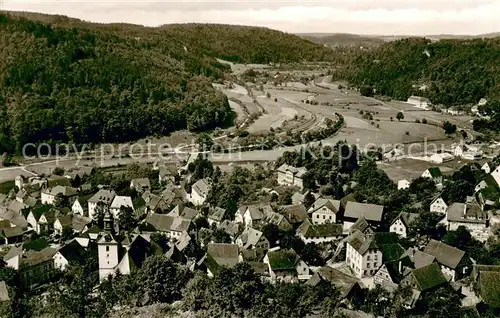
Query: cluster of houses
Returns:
{"type": "Point", "coordinates": [373, 254]}
{"type": "Point", "coordinates": [425, 104]}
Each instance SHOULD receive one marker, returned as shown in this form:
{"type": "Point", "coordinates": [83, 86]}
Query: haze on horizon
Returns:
{"type": "Point", "coordinates": [396, 17]}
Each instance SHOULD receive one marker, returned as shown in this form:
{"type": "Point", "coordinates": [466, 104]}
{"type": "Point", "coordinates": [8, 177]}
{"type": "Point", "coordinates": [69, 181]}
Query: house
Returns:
{"type": "Point", "coordinates": [403, 184]}
{"type": "Point", "coordinates": [16, 206]}
{"type": "Point", "coordinates": [319, 233]}
{"type": "Point", "coordinates": [438, 205]}
{"type": "Point", "coordinates": [401, 224]}
{"type": "Point", "coordinates": [361, 225]}
{"type": "Point", "coordinates": [123, 257]}
{"type": "Point", "coordinates": [72, 252]}
{"type": "Point", "coordinates": [49, 195]}
{"type": "Point", "coordinates": [199, 191]}
{"type": "Point", "coordinates": [252, 238]}
{"type": "Point", "coordinates": [349, 287]}
{"type": "Point", "coordinates": [156, 203]}
{"type": "Point", "coordinates": [167, 174]}
{"type": "Point", "coordinates": [427, 278]}
{"type": "Point", "coordinates": [371, 212]}
{"type": "Point", "coordinates": [420, 102]}
{"type": "Point", "coordinates": [42, 218]}
{"type": "Point", "coordinates": [118, 202]}
{"type": "Point", "coordinates": [12, 235]}
{"type": "Point", "coordinates": [14, 218]}
{"type": "Point", "coordinates": [81, 206]}
{"type": "Point", "coordinates": [219, 255]}
{"type": "Point", "coordinates": [324, 211]}
{"type": "Point", "coordinates": [482, 102]}
{"type": "Point", "coordinates": [21, 195]}
{"type": "Point", "coordinates": [172, 226]}
{"type": "Point", "coordinates": [419, 258]}
{"type": "Point", "coordinates": [286, 266]}
{"type": "Point", "coordinates": [103, 198]}
{"type": "Point", "coordinates": [295, 214]}
{"type": "Point", "coordinates": [454, 111]}
{"type": "Point", "coordinates": [279, 220]}
{"type": "Point", "coordinates": [363, 255]}
{"type": "Point", "coordinates": [434, 174]}
{"type": "Point", "coordinates": [252, 215]}
{"type": "Point", "coordinates": [184, 212]}
{"type": "Point", "coordinates": [291, 176]}
{"type": "Point", "coordinates": [485, 280]}
{"type": "Point", "coordinates": [441, 157]}
{"type": "Point", "coordinates": [486, 168]}
{"type": "Point", "coordinates": [392, 273]}
{"type": "Point", "coordinates": [471, 216]}
{"type": "Point", "coordinates": [34, 267]}
{"type": "Point", "coordinates": [453, 262]}
{"type": "Point", "coordinates": [140, 185]}
{"type": "Point", "coordinates": [76, 222]}
{"type": "Point", "coordinates": [231, 228]}
{"type": "Point", "coordinates": [215, 215]}
{"type": "Point", "coordinates": [467, 152]}
{"type": "Point", "coordinates": [297, 198]}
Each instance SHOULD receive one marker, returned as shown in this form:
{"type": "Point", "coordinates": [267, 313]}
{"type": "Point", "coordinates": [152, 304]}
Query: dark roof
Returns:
{"type": "Point", "coordinates": [386, 238]}
{"type": "Point", "coordinates": [223, 254]}
{"type": "Point", "coordinates": [445, 254]}
{"type": "Point", "coordinates": [12, 231]}
{"type": "Point", "coordinates": [428, 277]}
{"type": "Point", "coordinates": [167, 223]}
{"type": "Point", "coordinates": [295, 213]}
{"type": "Point", "coordinates": [406, 217]}
{"type": "Point", "coordinates": [371, 212]}
{"type": "Point", "coordinates": [361, 225]}
{"type": "Point", "coordinates": [487, 279]}
{"type": "Point", "coordinates": [393, 268]}
{"type": "Point", "coordinates": [73, 252]}
{"type": "Point", "coordinates": [36, 245]}
{"type": "Point", "coordinates": [83, 200]}
{"type": "Point", "coordinates": [309, 230]}
{"type": "Point", "coordinates": [391, 252]}
{"type": "Point", "coordinates": [338, 278]}
{"type": "Point", "coordinates": [333, 205]}
{"type": "Point", "coordinates": [65, 182]}
{"type": "Point", "coordinates": [361, 242]}
{"type": "Point", "coordinates": [65, 220]}
{"type": "Point", "coordinates": [435, 172]}
{"type": "Point", "coordinates": [285, 259]}
{"type": "Point", "coordinates": [184, 212]}
{"type": "Point", "coordinates": [216, 213]}
{"type": "Point", "coordinates": [253, 255]}
{"type": "Point", "coordinates": [31, 257]}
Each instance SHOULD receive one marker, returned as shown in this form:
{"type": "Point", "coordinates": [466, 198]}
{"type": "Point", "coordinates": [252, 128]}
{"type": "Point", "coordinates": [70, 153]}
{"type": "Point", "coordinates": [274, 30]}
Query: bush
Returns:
{"type": "Point", "coordinates": [424, 121]}
{"type": "Point", "coordinates": [366, 91]}
{"type": "Point", "coordinates": [417, 121]}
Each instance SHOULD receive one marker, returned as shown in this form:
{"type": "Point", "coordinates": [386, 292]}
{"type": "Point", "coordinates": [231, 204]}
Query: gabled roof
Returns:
{"type": "Point", "coordinates": [202, 187]}
{"type": "Point", "coordinates": [182, 211]}
{"type": "Point", "coordinates": [435, 172]}
{"type": "Point", "coordinates": [78, 222]}
{"type": "Point", "coordinates": [229, 227]}
{"type": "Point", "coordinates": [257, 211]}
{"type": "Point", "coordinates": [419, 258]}
{"type": "Point", "coordinates": [371, 212]}
{"type": "Point", "coordinates": [13, 217]}
{"type": "Point", "coordinates": [487, 283]}
{"type": "Point", "coordinates": [105, 196]}
{"type": "Point", "coordinates": [361, 242]}
{"type": "Point", "coordinates": [308, 230]}
{"type": "Point", "coordinates": [17, 206]}
{"type": "Point", "coordinates": [62, 190]}
{"type": "Point", "coordinates": [428, 277]}
{"type": "Point", "coordinates": [120, 200]}
{"type": "Point", "coordinates": [361, 225]}
{"type": "Point", "coordinates": [12, 231]}
{"type": "Point", "coordinates": [141, 182]}
{"type": "Point", "coordinates": [295, 213]}
{"type": "Point", "coordinates": [332, 205]}
{"type": "Point", "coordinates": [166, 223]}
{"type": "Point", "coordinates": [65, 220]}
{"type": "Point", "coordinates": [399, 269]}
{"type": "Point", "coordinates": [216, 213]}
{"type": "Point", "coordinates": [223, 254]}
{"type": "Point", "coordinates": [338, 278]}
{"type": "Point", "coordinates": [407, 218]}
{"type": "Point", "coordinates": [73, 252]}
{"type": "Point", "coordinates": [285, 259]}
{"type": "Point", "coordinates": [445, 254]}
{"type": "Point", "coordinates": [250, 237]}
{"type": "Point", "coordinates": [298, 172]}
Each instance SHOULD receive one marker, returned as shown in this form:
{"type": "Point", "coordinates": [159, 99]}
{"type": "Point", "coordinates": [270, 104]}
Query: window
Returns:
{"type": "Point", "coordinates": [107, 248]}
{"type": "Point", "coordinates": [323, 217]}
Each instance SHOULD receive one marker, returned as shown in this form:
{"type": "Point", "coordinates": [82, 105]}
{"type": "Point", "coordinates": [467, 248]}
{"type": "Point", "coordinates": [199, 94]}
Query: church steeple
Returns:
{"type": "Point", "coordinates": [108, 222]}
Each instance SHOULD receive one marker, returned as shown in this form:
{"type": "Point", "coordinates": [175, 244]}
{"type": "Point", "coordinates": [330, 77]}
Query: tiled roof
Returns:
{"type": "Point", "coordinates": [371, 212]}
{"type": "Point", "coordinates": [445, 254]}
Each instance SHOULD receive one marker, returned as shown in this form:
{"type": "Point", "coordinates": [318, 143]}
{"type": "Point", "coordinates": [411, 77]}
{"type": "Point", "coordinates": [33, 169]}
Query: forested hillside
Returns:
{"type": "Point", "coordinates": [84, 82]}
{"type": "Point", "coordinates": [456, 72]}
{"type": "Point", "coordinates": [343, 40]}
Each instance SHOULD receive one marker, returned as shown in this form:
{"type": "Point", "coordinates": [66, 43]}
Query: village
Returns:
{"type": "Point", "coordinates": [51, 222]}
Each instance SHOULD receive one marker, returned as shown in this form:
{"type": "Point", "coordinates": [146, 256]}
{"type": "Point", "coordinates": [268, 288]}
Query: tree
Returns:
{"type": "Point", "coordinates": [424, 121]}
{"type": "Point", "coordinates": [449, 128]}
{"type": "Point", "coordinates": [400, 116]}
{"type": "Point", "coordinates": [366, 91]}
{"type": "Point", "coordinates": [272, 233]}
{"type": "Point", "coordinates": [204, 142]}
{"type": "Point", "coordinates": [308, 200]}
{"type": "Point", "coordinates": [59, 171]}
{"type": "Point", "coordinates": [127, 218]}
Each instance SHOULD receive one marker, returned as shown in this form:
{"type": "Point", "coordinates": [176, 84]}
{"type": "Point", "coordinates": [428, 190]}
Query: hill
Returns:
{"type": "Point", "coordinates": [456, 72]}
{"type": "Point", "coordinates": [342, 39]}
{"type": "Point", "coordinates": [87, 82]}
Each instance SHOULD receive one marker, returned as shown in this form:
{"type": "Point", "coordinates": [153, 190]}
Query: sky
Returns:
{"type": "Point", "coordinates": [396, 17]}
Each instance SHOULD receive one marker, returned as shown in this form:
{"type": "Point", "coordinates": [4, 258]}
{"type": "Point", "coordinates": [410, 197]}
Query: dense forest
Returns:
{"type": "Point", "coordinates": [456, 72]}
{"type": "Point", "coordinates": [83, 82]}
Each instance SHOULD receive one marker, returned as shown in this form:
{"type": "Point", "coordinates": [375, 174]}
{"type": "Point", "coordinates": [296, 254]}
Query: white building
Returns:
{"type": "Point", "coordinates": [438, 205]}
{"type": "Point", "coordinates": [441, 157]}
{"type": "Point", "coordinates": [291, 176]}
{"type": "Point", "coordinates": [252, 215]}
{"type": "Point", "coordinates": [420, 102]}
{"type": "Point", "coordinates": [118, 202]}
{"type": "Point", "coordinates": [471, 216]}
{"type": "Point", "coordinates": [486, 168]}
{"type": "Point", "coordinates": [403, 184]}
{"type": "Point", "coordinates": [286, 266]}
{"type": "Point", "coordinates": [402, 223]}
{"type": "Point", "coordinates": [49, 196]}
{"type": "Point", "coordinates": [252, 238]}
{"type": "Point", "coordinates": [363, 255]}
{"type": "Point", "coordinates": [433, 173]}
{"type": "Point", "coordinates": [103, 197]}
{"type": "Point", "coordinates": [324, 211]}
{"type": "Point", "coordinates": [199, 191]}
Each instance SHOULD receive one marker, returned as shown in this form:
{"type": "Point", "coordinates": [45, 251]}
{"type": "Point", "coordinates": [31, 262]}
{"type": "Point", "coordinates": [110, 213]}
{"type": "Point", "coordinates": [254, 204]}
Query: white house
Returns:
{"type": "Point", "coordinates": [215, 215]}
{"type": "Point", "coordinates": [172, 226]}
{"type": "Point", "coordinates": [252, 238]}
{"type": "Point", "coordinates": [81, 206]}
{"type": "Point", "coordinates": [104, 197]}
{"type": "Point", "coordinates": [363, 255]}
{"type": "Point", "coordinates": [486, 167]}
{"type": "Point", "coordinates": [42, 220]}
{"type": "Point", "coordinates": [441, 157]}
{"type": "Point", "coordinates": [402, 223]}
{"type": "Point", "coordinates": [118, 202]}
{"type": "Point", "coordinates": [433, 173]}
{"type": "Point", "coordinates": [438, 205]}
{"type": "Point", "coordinates": [286, 266]}
{"type": "Point", "coordinates": [420, 102]}
{"type": "Point", "coordinates": [403, 184]}
{"type": "Point", "coordinates": [199, 191]}
{"type": "Point", "coordinates": [324, 211]}
{"type": "Point", "coordinates": [252, 215]}
{"type": "Point", "coordinates": [291, 176]}
{"type": "Point", "coordinates": [319, 233]}
{"type": "Point", "coordinates": [467, 152]}
{"type": "Point", "coordinates": [69, 253]}
{"type": "Point", "coordinates": [471, 216]}
{"type": "Point", "coordinates": [49, 196]}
